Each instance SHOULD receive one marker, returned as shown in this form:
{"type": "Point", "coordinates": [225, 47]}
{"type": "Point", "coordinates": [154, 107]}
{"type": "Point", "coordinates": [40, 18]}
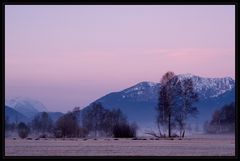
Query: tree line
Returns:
{"type": "Point", "coordinates": [96, 121]}
{"type": "Point", "coordinates": [222, 121]}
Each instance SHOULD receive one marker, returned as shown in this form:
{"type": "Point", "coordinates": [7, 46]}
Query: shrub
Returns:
{"type": "Point", "coordinates": [43, 136]}
{"type": "Point", "coordinates": [23, 130]}
{"type": "Point", "coordinates": [124, 130]}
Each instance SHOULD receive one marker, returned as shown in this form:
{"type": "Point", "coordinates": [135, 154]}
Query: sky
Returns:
{"type": "Point", "coordinates": [70, 55]}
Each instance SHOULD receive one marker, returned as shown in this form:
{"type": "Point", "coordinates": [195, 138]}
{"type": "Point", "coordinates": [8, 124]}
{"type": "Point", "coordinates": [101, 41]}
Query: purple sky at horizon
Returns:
{"type": "Point", "coordinates": [67, 56]}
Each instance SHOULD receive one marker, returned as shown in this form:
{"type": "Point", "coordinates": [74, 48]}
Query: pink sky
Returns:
{"type": "Point", "coordinates": [66, 56]}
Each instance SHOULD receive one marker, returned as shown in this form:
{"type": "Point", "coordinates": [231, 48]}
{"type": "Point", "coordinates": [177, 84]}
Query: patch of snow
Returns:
{"type": "Point", "coordinates": [140, 92]}
{"type": "Point", "coordinates": [14, 102]}
{"type": "Point", "coordinates": [151, 84]}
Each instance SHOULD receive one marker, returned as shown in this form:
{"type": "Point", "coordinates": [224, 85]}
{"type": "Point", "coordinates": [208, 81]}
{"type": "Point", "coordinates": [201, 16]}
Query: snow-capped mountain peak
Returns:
{"type": "Point", "coordinates": [209, 87]}
{"type": "Point", "coordinates": [139, 101]}
{"type": "Point", "coordinates": [140, 87]}
{"type": "Point", "coordinates": [205, 87]}
{"type": "Point", "coordinates": [185, 76]}
{"type": "Point", "coordinates": [26, 106]}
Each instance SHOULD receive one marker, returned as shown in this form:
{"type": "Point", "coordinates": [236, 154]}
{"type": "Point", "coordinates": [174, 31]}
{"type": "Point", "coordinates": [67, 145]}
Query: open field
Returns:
{"type": "Point", "coordinates": [198, 145]}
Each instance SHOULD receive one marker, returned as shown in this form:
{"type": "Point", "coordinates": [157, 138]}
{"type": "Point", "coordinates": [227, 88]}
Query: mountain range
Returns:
{"type": "Point", "coordinates": [139, 101]}
{"type": "Point", "coordinates": [22, 109]}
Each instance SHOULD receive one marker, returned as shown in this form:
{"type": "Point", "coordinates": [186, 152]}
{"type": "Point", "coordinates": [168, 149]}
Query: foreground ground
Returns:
{"type": "Point", "coordinates": [198, 145]}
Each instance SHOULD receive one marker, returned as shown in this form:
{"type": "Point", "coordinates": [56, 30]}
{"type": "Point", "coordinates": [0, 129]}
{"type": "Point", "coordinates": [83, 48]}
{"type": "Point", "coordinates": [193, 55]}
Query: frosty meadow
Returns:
{"type": "Point", "coordinates": [120, 80]}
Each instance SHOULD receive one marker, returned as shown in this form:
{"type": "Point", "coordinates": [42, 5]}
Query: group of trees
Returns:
{"type": "Point", "coordinates": [41, 124]}
{"type": "Point", "coordinates": [96, 121]}
{"type": "Point", "coordinates": [104, 122]}
{"type": "Point", "coordinates": [67, 126]}
{"type": "Point", "coordinates": [9, 126]}
{"type": "Point", "coordinates": [222, 121]}
{"type": "Point", "coordinates": [175, 104]}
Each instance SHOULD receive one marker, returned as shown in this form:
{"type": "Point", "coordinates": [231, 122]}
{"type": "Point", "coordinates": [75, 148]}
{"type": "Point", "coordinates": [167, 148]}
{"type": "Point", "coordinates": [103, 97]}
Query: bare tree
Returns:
{"type": "Point", "coordinates": [7, 124]}
{"type": "Point", "coordinates": [187, 97]}
{"type": "Point", "coordinates": [164, 107]}
{"type": "Point", "coordinates": [93, 118]}
{"type": "Point", "coordinates": [107, 122]}
{"type": "Point", "coordinates": [42, 123]}
{"type": "Point", "coordinates": [67, 126]}
{"type": "Point", "coordinates": [175, 103]}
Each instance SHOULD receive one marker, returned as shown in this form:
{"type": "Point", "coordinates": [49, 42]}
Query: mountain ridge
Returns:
{"type": "Point", "coordinates": [139, 101]}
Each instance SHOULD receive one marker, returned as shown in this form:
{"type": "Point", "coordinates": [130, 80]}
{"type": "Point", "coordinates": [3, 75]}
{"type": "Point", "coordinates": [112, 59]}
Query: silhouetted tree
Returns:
{"type": "Point", "coordinates": [185, 108]}
{"type": "Point", "coordinates": [165, 103]}
{"type": "Point", "coordinates": [103, 121]}
{"type": "Point", "coordinates": [7, 124]}
{"type": "Point", "coordinates": [23, 130]}
{"type": "Point", "coordinates": [93, 118]}
{"type": "Point", "coordinates": [42, 123]}
{"type": "Point", "coordinates": [67, 126]}
{"type": "Point", "coordinates": [112, 118]}
{"type": "Point", "coordinates": [175, 103]}
{"type": "Point", "coordinates": [12, 126]}
{"type": "Point", "coordinates": [223, 120]}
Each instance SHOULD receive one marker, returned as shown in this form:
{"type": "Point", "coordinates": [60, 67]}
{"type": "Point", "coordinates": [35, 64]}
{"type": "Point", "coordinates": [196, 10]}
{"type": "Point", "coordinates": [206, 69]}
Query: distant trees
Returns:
{"type": "Point", "coordinates": [115, 118]}
{"type": "Point", "coordinates": [23, 130]}
{"type": "Point", "coordinates": [94, 118]}
{"type": "Point", "coordinates": [7, 124]}
{"type": "Point", "coordinates": [175, 103]}
{"type": "Point", "coordinates": [12, 127]}
{"type": "Point", "coordinates": [42, 123]}
{"type": "Point", "coordinates": [67, 126]}
{"type": "Point", "coordinates": [102, 121]}
{"type": "Point", "coordinates": [223, 120]}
